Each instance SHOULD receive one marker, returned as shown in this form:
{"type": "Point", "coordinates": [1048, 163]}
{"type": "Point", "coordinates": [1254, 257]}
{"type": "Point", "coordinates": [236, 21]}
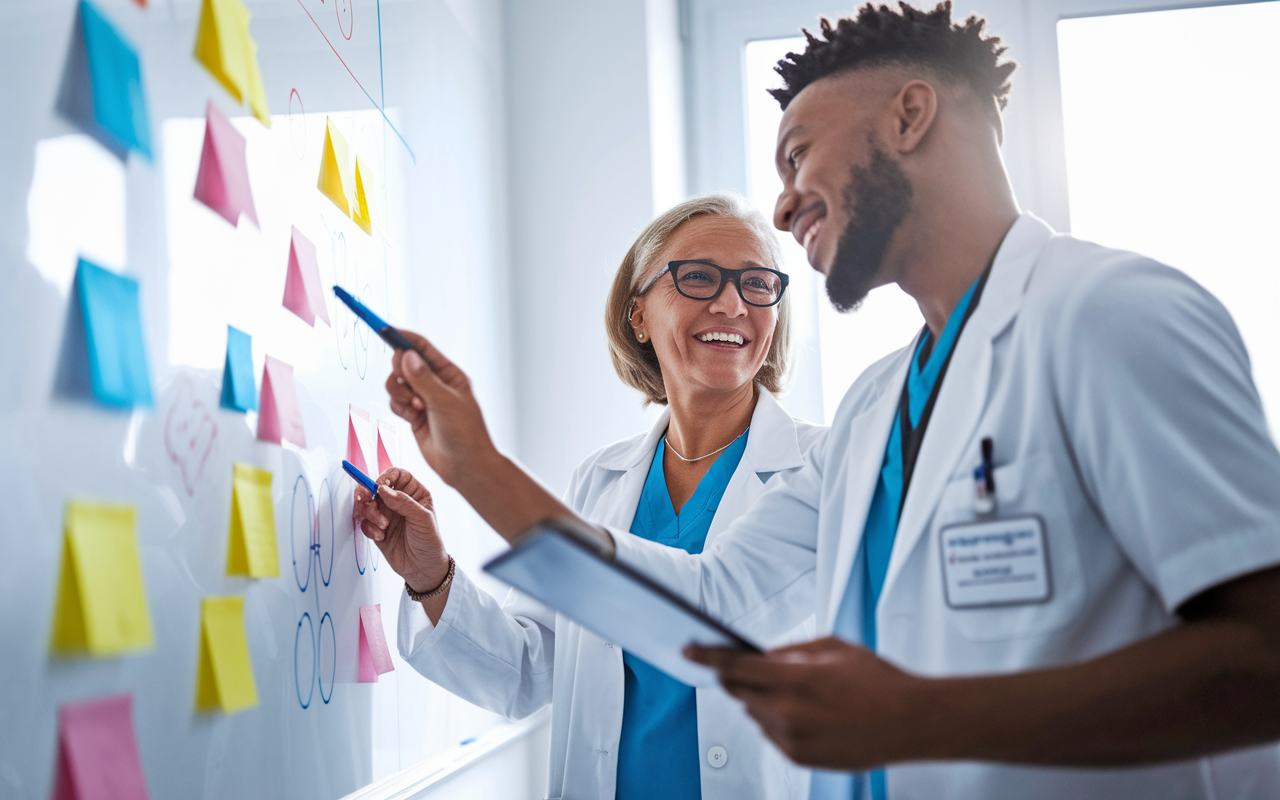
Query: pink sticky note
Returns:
{"type": "Point", "coordinates": [279, 415]}
{"type": "Point", "coordinates": [302, 293]}
{"type": "Point", "coordinates": [375, 658]}
{"type": "Point", "coordinates": [98, 752]}
{"type": "Point", "coordinates": [387, 448]}
{"type": "Point", "coordinates": [223, 181]}
{"type": "Point", "coordinates": [359, 439]}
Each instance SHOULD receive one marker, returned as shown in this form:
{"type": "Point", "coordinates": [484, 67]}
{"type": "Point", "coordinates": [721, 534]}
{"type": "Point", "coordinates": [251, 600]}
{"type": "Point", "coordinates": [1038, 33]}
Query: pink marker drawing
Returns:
{"type": "Point", "coordinates": [189, 432]}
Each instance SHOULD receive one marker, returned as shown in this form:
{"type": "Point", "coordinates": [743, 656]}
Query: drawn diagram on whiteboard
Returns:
{"type": "Point", "coordinates": [189, 433]}
{"type": "Point", "coordinates": [365, 549]}
{"type": "Point", "coordinates": [353, 339]}
{"type": "Point", "coordinates": [312, 536]}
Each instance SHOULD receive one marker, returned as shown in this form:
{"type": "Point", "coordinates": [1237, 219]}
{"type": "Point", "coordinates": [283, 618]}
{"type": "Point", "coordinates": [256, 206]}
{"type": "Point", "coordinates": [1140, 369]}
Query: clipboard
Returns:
{"type": "Point", "coordinates": [562, 567]}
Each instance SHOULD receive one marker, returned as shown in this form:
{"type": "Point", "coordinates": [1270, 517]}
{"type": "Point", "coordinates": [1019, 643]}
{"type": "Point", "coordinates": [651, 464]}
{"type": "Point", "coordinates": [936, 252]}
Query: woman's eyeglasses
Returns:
{"type": "Point", "coordinates": [702, 280]}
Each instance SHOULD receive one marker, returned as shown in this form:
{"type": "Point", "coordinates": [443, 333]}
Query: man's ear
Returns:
{"type": "Point", "coordinates": [914, 110]}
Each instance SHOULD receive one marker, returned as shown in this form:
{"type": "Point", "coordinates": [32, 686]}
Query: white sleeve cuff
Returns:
{"type": "Point", "coordinates": [415, 628]}
{"type": "Point", "coordinates": [1214, 561]}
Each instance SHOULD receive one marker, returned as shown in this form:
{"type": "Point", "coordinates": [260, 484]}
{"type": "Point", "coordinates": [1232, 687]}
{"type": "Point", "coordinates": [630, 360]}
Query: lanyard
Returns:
{"type": "Point", "coordinates": [913, 435]}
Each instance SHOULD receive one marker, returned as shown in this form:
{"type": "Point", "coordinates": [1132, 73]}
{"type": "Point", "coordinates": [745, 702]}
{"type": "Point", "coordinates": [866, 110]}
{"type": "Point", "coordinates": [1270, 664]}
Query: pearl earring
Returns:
{"type": "Point", "coordinates": [640, 336]}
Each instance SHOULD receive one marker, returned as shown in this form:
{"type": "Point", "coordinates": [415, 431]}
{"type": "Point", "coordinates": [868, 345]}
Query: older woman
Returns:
{"type": "Point", "coordinates": [697, 321]}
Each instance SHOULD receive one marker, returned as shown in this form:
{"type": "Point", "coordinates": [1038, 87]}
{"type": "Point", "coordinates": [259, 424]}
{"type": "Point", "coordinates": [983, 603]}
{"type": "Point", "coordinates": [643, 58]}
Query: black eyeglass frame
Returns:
{"type": "Point", "coordinates": [727, 276]}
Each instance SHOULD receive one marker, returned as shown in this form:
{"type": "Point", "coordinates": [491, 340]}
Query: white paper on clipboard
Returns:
{"type": "Point", "coordinates": [614, 601]}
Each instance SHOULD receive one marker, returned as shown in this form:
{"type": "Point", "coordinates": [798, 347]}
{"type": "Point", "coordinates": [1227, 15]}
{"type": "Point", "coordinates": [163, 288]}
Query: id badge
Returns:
{"type": "Point", "coordinates": [996, 562]}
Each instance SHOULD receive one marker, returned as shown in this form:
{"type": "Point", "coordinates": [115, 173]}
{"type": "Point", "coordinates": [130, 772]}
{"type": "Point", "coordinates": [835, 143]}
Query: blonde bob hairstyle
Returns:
{"type": "Point", "coordinates": [636, 362]}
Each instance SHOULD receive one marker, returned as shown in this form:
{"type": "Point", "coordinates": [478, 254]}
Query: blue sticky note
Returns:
{"type": "Point", "coordinates": [119, 104]}
{"type": "Point", "coordinates": [113, 335]}
{"type": "Point", "coordinates": [238, 390]}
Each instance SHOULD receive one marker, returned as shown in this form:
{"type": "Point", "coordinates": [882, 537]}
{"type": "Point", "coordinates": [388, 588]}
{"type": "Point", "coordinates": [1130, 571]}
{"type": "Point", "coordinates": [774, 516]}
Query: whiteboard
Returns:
{"type": "Point", "coordinates": [315, 732]}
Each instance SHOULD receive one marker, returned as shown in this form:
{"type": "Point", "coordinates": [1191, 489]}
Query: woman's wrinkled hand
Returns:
{"type": "Point", "coordinates": [401, 520]}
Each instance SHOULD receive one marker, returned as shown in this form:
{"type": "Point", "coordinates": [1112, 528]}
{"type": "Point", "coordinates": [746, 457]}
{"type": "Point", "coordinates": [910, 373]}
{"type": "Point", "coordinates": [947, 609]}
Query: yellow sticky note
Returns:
{"type": "Point", "coordinates": [335, 172]}
{"type": "Point", "coordinates": [257, 92]}
{"type": "Point", "coordinates": [360, 208]}
{"type": "Point", "coordinates": [226, 48]}
{"type": "Point", "coordinates": [251, 547]}
{"type": "Point", "coordinates": [102, 607]}
{"type": "Point", "coordinates": [225, 677]}
{"type": "Point", "coordinates": [220, 44]}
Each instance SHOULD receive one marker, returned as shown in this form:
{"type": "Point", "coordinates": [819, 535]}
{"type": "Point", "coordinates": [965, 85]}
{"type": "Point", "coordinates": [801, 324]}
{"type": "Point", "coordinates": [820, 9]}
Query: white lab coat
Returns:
{"type": "Point", "coordinates": [516, 657]}
{"type": "Point", "coordinates": [1119, 398]}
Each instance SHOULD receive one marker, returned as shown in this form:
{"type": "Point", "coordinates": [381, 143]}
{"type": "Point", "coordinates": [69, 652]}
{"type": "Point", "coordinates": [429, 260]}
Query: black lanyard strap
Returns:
{"type": "Point", "coordinates": [913, 436]}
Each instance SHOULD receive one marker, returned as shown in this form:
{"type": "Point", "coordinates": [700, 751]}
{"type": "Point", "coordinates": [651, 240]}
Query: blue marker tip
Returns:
{"type": "Point", "coordinates": [360, 477]}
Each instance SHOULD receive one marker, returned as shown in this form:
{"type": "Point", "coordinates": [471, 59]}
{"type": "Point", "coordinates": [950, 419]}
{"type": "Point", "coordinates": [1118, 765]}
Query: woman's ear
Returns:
{"type": "Point", "coordinates": [637, 320]}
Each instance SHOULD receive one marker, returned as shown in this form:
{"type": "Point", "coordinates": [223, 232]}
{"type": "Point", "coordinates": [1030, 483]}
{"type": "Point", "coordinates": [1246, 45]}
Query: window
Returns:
{"type": "Point", "coordinates": [1171, 120]}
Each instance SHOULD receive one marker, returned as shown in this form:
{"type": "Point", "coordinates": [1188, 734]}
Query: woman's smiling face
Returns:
{"type": "Point", "coordinates": [707, 345]}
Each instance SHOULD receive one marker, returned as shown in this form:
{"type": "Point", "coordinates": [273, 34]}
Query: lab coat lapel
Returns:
{"type": "Point", "coordinates": [772, 446]}
{"type": "Point", "coordinates": [867, 436]}
{"type": "Point", "coordinates": [616, 505]}
{"type": "Point", "coordinates": [965, 386]}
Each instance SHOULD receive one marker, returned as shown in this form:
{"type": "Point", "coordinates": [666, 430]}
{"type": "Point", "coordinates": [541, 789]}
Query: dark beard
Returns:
{"type": "Point", "coordinates": [876, 200]}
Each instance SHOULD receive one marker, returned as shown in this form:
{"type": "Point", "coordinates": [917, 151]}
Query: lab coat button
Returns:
{"type": "Point", "coordinates": [717, 757]}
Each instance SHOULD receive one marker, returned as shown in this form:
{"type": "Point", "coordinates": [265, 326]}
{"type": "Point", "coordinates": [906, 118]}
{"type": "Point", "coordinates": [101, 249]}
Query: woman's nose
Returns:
{"type": "Point", "coordinates": [729, 302]}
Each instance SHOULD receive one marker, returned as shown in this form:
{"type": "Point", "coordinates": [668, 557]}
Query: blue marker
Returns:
{"type": "Point", "coordinates": [389, 334]}
{"type": "Point", "coordinates": [361, 478]}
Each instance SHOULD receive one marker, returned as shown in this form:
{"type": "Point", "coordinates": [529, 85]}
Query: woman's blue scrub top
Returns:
{"type": "Point", "coordinates": [658, 754]}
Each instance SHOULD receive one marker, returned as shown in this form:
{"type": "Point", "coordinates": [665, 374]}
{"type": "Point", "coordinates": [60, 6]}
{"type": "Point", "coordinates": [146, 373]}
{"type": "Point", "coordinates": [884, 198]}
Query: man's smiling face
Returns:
{"type": "Point", "coordinates": [843, 194]}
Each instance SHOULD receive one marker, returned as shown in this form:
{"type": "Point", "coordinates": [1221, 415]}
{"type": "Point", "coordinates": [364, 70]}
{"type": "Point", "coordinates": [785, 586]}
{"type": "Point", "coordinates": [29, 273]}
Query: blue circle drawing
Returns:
{"type": "Point", "coordinates": [311, 638]}
{"type": "Point", "coordinates": [333, 668]}
{"type": "Point", "coordinates": [326, 492]}
{"type": "Point", "coordinates": [305, 519]}
{"type": "Point", "coordinates": [307, 524]}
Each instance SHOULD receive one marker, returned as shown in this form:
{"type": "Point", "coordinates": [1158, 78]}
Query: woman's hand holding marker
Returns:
{"type": "Point", "coordinates": [401, 520]}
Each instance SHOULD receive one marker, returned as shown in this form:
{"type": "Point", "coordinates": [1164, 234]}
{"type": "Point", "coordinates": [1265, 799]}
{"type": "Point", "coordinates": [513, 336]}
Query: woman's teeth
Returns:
{"type": "Point", "coordinates": [717, 336]}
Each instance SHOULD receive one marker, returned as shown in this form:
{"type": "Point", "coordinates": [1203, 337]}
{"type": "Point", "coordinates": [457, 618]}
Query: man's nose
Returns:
{"type": "Point", "coordinates": [785, 208]}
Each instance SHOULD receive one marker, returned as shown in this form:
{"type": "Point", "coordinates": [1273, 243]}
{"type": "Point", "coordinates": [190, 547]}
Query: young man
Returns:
{"type": "Point", "coordinates": [1044, 536]}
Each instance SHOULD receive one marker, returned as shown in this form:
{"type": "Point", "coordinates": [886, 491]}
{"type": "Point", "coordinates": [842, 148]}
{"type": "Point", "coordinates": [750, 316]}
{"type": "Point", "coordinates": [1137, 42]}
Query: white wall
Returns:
{"type": "Point", "coordinates": [580, 191]}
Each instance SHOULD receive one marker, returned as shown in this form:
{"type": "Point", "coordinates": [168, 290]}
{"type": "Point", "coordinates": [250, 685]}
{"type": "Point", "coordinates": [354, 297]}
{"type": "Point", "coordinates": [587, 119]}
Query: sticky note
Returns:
{"type": "Point", "coordinates": [279, 415]}
{"type": "Point", "coordinates": [225, 678]}
{"type": "Point", "coordinates": [223, 181]}
{"type": "Point", "coordinates": [238, 390]}
{"type": "Point", "coordinates": [335, 171]}
{"type": "Point", "coordinates": [113, 335]}
{"type": "Point", "coordinates": [360, 208]}
{"type": "Point", "coordinates": [374, 657]}
{"type": "Point", "coordinates": [251, 547]}
{"type": "Point", "coordinates": [226, 48]}
{"type": "Point", "coordinates": [303, 294]}
{"type": "Point", "coordinates": [387, 447]}
{"type": "Point", "coordinates": [102, 88]}
{"type": "Point", "coordinates": [102, 607]}
{"type": "Point", "coordinates": [98, 751]}
{"type": "Point", "coordinates": [359, 439]}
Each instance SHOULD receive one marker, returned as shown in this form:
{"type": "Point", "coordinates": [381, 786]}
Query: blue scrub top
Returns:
{"type": "Point", "coordinates": [658, 755]}
{"type": "Point", "coordinates": [882, 521]}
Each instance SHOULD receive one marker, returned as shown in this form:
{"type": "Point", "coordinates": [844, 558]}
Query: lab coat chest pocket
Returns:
{"type": "Point", "coordinates": [1027, 490]}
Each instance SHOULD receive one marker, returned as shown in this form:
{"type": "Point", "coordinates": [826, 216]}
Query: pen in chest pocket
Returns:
{"type": "Point", "coordinates": [984, 481]}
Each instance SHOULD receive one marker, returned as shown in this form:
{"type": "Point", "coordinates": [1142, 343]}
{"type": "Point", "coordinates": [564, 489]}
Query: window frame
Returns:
{"type": "Point", "coordinates": [717, 32]}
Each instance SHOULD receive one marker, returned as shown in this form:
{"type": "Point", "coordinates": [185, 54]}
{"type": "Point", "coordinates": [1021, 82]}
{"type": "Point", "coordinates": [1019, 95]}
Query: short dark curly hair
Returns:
{"type": "Point", "coordinates": [879, 36]}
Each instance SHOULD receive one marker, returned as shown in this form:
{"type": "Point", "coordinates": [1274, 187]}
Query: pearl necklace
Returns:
{"type": "Point", "coordinates": [708, 455]}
